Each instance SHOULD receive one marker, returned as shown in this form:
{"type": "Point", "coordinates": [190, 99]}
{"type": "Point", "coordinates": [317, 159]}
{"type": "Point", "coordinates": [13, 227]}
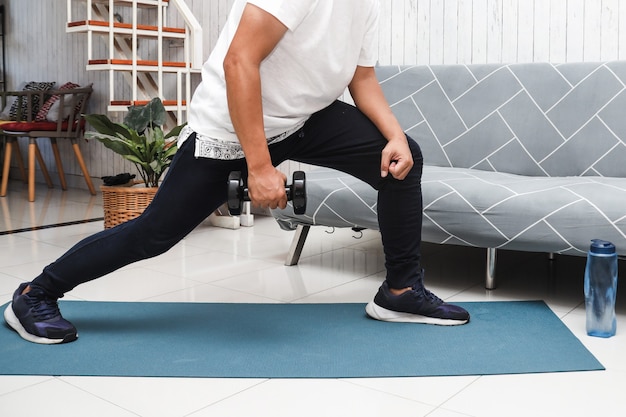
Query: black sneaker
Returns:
{"type": "Point", "coordinates": [37, 318]}
{"type": "Point", "coordinates": [417, 305]}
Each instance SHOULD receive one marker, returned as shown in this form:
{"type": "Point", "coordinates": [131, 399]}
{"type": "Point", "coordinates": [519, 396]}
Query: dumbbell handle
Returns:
{"type": "Point", "coordinates": [246, 197]}
{"type": "Point", "coordinates": [296, 192]}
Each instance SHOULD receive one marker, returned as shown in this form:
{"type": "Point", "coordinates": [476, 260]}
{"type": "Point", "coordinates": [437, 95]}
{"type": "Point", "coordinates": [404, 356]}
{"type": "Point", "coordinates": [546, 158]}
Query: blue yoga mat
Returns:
{"type": "Point", "coordinates": [295, 341]}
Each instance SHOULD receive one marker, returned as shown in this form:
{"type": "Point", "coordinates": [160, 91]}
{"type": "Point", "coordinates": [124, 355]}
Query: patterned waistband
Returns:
{"type": "Point", "coordinates": [208, 147]}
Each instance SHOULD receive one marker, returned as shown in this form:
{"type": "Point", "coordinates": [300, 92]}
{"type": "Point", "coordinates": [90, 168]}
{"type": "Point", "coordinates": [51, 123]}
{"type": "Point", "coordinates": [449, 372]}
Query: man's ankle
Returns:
{"type": "Point", "coordinates": [400, 291]}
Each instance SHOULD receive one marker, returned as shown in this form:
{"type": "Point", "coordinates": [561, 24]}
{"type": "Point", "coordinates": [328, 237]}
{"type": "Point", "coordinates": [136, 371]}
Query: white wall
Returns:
{"type": "Point", "coordinates": [493, 31]}
{"type": "Point", "coordinates": [411, 32]}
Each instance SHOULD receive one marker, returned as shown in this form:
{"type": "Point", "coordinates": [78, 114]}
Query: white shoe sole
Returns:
{"type": "Point", "coordinates": [379, 313]}
{"type": "Point", "coordinates": [13, 321]}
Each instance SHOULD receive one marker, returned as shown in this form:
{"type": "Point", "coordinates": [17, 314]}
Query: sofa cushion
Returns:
{"type": "Point", "coordinates": [535, 119]}
{"type": "Point", "coordinates": [480, 208]}
{"type": "Point", "coordinates": [334, 199]}
{"type": "Point", "coordinates": [498, 210]}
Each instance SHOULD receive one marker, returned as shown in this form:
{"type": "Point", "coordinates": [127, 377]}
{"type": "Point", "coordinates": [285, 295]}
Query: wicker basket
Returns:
{"type": "Point", "coordinates": [124, 203]}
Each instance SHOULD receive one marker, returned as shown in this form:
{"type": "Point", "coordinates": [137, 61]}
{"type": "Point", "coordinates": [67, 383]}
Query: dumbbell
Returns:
{"type": "Point", "coordinates": [238, 193]}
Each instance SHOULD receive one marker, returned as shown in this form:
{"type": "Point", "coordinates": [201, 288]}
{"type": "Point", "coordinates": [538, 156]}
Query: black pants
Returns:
{"type": "Point", "coordinates": [339, 137]}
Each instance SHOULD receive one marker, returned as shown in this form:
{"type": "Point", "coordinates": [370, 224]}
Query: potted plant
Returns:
{"type": "Point", "coordinates": [141, 140]}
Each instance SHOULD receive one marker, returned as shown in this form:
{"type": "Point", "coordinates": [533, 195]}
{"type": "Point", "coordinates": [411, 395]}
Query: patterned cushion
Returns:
{"type": "Point", "coordinates": [5, 115]}
{"type": "Point", "coordinates": [31, 86]}
{"type": "Point", "coordinates": [50, 109]}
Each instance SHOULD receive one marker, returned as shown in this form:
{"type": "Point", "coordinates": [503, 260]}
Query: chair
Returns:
{"type": "Point", "coordinates": [69, 125]}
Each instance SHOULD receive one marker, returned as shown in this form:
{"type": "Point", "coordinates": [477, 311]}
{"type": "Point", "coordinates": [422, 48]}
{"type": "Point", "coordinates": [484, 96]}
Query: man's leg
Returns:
{"type": "Point", "coordinates": [192, 189]}
{"type": "Point", "coordinates": [341, 137]}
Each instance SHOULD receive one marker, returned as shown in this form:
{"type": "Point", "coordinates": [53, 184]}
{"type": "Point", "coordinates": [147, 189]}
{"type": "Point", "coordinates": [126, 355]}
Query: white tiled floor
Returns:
{"type": "Point", "coordinates": [217, 265]}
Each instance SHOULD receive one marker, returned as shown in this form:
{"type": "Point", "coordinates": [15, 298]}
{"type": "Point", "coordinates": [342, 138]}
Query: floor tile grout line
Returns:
{"type": "Point", "coordinates": [50, 226]}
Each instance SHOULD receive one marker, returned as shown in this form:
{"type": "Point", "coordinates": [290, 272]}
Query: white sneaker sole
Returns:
{"type": "Point", "coordinates": [13, 321]}
{"type": "Point", "coordinates": [379, 313]}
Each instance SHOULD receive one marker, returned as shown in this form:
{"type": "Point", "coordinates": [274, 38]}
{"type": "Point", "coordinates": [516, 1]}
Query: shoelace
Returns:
{"type": "Point", "coordinates": [43, 308]}
{"type": "Point", "coordinates": [432, 298]}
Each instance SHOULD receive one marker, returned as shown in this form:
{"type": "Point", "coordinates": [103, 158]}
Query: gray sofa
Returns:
{"type": "Point", "coordinates": [526, 157]}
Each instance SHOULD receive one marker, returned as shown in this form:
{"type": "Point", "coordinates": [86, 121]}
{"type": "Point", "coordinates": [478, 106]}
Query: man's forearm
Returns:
{"type": "Point", "coordinates": [243, 89]}
{"type": "Point", "coordinates": [369, 98]}
{"type": "Point", "coordinates": [396, 157]}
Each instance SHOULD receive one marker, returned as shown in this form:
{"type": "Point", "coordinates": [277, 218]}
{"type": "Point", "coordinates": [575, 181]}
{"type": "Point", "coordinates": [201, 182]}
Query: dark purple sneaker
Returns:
{"type": "Point", "coordinates": [37, 318]}
{"type": "Point", "coordinates": [417, 305]}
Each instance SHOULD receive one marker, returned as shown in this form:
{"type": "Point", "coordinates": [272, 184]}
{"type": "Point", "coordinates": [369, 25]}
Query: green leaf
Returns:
{"type": "Point", "coordinates": [151, 114]}
{"type": "Point", "coordinates": [116, 144]}
{"type": "Point", "coordinates": [102, 124]}
{"type": "Point", "coordinates": [176, 131]}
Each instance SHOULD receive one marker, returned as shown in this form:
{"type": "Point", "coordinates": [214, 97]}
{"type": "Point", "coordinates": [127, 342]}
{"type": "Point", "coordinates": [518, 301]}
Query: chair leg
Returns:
{"type": "Point", "coordinates": [42, 165]}
{"type": "Point", "coordinates": [83, 167]}
{"type": "Point", "coordinates": [12, 145]}
{"type": "Point", "coordinates": [20, 162]}
{"type": "Point", "coordinates": [35, 154]}
{"type": "Point", "coordinates": [59, 163]}
{"type": "Point", "coordinates": [6, 167]}
{"type": "Point", "coordinates": [32, 146]}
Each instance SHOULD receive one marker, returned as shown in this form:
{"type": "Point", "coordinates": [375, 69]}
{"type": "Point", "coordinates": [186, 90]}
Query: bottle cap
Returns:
{"type": "Point", "coordinates": [602, 247]}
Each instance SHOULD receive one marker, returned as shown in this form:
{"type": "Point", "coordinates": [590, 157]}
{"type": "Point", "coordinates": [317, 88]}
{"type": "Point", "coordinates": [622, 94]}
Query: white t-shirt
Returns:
{"type": "Point", "coordinates": [310, 68]}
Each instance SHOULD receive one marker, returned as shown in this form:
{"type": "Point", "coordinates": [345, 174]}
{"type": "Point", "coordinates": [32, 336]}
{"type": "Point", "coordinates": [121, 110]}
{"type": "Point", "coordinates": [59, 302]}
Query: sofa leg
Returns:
{"type": "Point", "coordinates": [490, 276]}
{"type": "Point", "coordinates": [293, 256]}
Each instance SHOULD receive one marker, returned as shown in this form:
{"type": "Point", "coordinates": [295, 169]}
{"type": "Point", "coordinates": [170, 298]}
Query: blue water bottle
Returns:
{"type": "Point", "coordinates": [601, 288]}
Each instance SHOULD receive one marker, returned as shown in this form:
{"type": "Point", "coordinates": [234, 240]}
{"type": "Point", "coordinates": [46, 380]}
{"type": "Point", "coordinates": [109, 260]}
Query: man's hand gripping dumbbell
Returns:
{"type": "Point", "coordinates": [238, 193]}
